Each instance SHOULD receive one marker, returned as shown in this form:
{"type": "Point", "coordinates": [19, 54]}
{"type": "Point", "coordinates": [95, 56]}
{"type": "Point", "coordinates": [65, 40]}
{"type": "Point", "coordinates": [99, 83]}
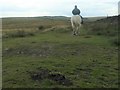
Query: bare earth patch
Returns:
{"type": "Point", "coordinates": [47, 74]}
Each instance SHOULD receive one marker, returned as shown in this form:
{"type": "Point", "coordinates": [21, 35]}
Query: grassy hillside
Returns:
{"type": "Point", "coordinates": [91, 19]}
{"type": "Point", "coordinates": [43, 53]}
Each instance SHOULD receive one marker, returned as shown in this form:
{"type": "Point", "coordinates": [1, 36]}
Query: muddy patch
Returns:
{"type": "Point", "coordinates": [42, 51]}
{"type": "Point", "coordinates": [59, 65]}
{"type": "Point", "coordinates": [59, 78]}
{"type": "Point", "coordinates": [83, 71]}
{"type": "Point", "coordinates": [87, 36]}
{"type": "Point", "coordinates": [42, 74]}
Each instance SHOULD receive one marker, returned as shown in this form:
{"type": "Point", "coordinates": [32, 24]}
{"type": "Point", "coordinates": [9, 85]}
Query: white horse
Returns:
{"type": "Point", "coordinates": [76, 21]}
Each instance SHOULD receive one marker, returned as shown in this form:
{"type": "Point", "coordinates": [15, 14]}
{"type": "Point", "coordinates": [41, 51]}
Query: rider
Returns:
{"type": "Point", "coordinates": [76, 11]}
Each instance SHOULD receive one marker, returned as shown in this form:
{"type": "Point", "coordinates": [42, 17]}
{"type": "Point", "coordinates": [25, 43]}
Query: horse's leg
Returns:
{"type": "Point", "coordinates": [77, 29]}
{"type": "Point", "coordinates": [73, 30]}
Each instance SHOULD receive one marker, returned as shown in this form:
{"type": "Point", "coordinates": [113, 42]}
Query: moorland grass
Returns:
{"type": "Point", "coordinates": [88, 60]}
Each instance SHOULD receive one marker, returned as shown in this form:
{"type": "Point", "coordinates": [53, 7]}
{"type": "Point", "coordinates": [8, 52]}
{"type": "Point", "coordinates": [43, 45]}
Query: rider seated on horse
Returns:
{"type": "Point", "coordinates": [76, 11]}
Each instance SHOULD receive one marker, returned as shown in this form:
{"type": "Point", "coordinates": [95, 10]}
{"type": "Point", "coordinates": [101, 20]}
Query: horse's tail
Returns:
{"type": "Point", "coordinates": [81, 19]}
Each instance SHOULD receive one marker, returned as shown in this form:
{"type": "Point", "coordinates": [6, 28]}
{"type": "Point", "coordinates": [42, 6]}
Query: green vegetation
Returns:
{"type": "Point", "coordinates": [53, 58]}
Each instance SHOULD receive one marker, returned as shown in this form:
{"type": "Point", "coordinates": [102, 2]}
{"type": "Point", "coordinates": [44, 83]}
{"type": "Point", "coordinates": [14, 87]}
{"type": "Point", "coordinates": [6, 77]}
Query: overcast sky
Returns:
{"type": "Point", "coordinates": [28, 8]}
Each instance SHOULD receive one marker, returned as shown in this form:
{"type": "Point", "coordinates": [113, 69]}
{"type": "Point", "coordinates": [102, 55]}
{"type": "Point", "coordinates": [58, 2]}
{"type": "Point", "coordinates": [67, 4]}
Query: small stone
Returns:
{"type": "Point", "coordinates": [6, 49]}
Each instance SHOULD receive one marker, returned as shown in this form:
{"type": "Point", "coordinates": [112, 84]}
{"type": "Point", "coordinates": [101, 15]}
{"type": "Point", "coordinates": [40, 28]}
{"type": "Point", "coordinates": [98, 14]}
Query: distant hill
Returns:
{"type": "Point", "coordinates": [85, 19]}
{"type": "Point", "coordinates": [54, 17]}
{"type": "Point", "coordinates": [112, 19]}
{"type": "Point", "coordinates": [91, 19]}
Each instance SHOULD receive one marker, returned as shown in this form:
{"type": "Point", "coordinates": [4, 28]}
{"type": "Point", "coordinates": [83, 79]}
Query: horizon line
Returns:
{"type": "Point", "coordinates": [53, 16]}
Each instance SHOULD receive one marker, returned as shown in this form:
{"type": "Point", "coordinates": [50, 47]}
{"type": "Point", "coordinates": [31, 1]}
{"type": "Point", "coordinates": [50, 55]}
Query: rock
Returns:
{"type": "Point", "coordinates": [6, 49]}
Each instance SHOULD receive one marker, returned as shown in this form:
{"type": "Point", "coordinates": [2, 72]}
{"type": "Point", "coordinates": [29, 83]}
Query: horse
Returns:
{"type": "Point", "coordinates": [76, 22]}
